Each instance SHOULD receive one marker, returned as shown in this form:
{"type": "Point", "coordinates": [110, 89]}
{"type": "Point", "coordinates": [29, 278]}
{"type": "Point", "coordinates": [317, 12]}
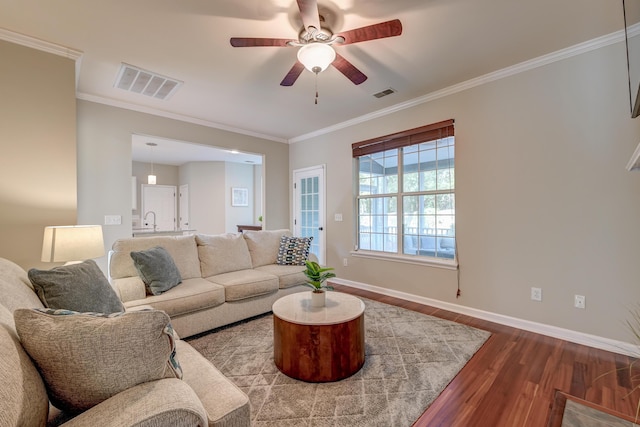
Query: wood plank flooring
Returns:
{"type": "Point", "coordinates": [512, 380]}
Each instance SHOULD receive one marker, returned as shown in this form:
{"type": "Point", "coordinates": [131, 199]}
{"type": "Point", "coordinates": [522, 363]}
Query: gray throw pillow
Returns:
{"type": "Point", "coordinates": [79, 287]}
{"type": "Point", "coordinates": [156, 269]}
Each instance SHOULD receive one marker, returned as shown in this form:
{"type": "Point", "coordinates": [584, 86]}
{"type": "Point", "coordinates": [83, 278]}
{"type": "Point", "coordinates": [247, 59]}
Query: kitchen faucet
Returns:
{"type": "Point", "coordinates": [154, 219]}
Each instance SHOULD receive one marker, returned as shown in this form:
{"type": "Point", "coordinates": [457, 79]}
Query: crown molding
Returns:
{"type": "Point", "coordinates": [42, 45]}
{"type": "Point", "coordinates": [522, 67]}
{"type": "Point", "coordinates": [174, 116]}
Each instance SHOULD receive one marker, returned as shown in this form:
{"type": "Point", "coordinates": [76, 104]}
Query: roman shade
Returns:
{"type": "Point", "coordinates": [405, 138]}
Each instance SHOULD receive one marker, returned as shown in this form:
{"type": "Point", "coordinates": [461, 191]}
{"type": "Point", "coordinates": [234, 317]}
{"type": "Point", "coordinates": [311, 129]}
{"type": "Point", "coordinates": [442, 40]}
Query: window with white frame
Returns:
{"type": "Point", "coordinates": [406, 192]}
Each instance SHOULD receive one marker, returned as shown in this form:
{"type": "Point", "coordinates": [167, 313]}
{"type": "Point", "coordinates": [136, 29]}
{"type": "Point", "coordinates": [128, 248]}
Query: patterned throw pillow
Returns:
{"type": "Point", "coordinates": [157, 269]}
{"type": "Point", "coordinates": [293, 250]}
{"type": "Point", "coordinates": [85, 358]}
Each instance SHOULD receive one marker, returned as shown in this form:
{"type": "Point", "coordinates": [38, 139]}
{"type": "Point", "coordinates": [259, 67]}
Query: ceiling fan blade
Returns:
{"type": "Point", "coordinates": [372, 32]}
{"type": "Point", "coordinates": [309, 13]}
{"type": "Point", "coordinates": [349, 70]}
{"type": "Point", "coordinates": [254, 42]}
{"type": "Point", "coordinates": [293, 74]}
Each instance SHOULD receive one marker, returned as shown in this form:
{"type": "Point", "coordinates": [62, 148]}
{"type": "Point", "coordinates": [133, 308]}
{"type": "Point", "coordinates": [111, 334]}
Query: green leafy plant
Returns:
{"type": "Point", "coordinates": [317, 276]}
{"type": "Point", "coordinates": [632, 369]}
{"type": "Point", "coordinates": [260, 218]}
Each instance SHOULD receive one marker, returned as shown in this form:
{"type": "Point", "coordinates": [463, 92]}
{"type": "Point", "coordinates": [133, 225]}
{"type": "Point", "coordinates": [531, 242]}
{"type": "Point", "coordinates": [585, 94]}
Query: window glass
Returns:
{"type": "Point", "coordinates": [422, 178]}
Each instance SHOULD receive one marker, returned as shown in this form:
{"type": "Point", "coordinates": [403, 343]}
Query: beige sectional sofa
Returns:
{"type": "Point", "coordinates": [225, 278]}
{"type": "Point", "coordinates": [203, 396]}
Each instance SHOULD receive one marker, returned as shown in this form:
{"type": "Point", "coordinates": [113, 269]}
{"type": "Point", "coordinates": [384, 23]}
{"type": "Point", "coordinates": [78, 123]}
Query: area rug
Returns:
{"type": "Point", "coordinates": [570, 411]}
{"type": "Point", "coordinates": [409, 359]}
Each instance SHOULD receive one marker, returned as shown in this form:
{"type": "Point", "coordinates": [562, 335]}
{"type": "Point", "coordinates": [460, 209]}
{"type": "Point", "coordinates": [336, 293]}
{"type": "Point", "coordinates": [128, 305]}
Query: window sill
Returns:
{"type": "Point", "coordinates": [407, 259]}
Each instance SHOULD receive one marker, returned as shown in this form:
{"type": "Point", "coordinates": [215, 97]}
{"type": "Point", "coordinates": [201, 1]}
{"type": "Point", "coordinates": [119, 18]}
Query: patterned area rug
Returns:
{"type": "Point", "coordinates": [410, 359]}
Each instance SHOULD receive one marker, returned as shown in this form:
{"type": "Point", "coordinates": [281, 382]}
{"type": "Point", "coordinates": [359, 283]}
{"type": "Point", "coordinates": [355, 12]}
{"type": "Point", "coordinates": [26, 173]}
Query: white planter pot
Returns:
{"type": "Point", "coordinates": [318, 299]}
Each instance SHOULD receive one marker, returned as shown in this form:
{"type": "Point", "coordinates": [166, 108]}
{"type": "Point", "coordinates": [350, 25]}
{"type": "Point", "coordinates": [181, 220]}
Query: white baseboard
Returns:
{"type": "Point", "coordinates": [595, 341]}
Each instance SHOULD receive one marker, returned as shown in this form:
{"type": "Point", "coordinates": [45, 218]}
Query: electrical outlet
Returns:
{"type": "Point", "coordinates": [345, 262]}
{"type": "Point", "coordinates": [579, 301]}
{"type": "Point", "coordinates": [536, 294]}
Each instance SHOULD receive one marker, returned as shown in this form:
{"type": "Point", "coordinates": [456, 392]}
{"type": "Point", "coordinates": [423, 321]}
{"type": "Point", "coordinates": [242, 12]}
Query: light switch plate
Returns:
{"type": "Point", "coordinates": [112, 219]}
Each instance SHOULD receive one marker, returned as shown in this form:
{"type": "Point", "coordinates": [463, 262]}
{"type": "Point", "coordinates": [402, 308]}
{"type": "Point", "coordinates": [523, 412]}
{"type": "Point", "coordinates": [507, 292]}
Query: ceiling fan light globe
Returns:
{"type": "Point", "coordinates": [316, 57]}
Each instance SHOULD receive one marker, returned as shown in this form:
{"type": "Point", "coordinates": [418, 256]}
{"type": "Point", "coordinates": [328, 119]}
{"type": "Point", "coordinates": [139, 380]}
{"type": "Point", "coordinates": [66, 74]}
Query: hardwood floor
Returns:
{"type": "Point", "coordinates": [512, 380]}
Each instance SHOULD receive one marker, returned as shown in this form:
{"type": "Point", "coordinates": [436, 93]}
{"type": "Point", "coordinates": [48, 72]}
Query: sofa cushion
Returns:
{"type": "Point", "coordinates": [77, 287]}
{"type": "Point", "coordinates": [192, 295]}
{"type": "Point", "coordinates": [293, 250]}
{"type": "Point", "coordinates": [23, 397]}
{"type": "Point", "coordinates": [264, 245]}
{"type": "Point", "coordinates": [157, 269]}
{"type": "Point", "coordinates": [182, 249]}
{"type": "Point", "coordinates": [243, 284]}
{"type": "Point", "coordinates": [84, 359]}
{"type": "Point", "coordinates": [222, 253]}
{"type": "Point", "coordinates": [288, 275]}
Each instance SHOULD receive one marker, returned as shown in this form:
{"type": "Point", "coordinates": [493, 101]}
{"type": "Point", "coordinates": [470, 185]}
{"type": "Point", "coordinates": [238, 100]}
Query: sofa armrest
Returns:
{"type": "Point", "coordinates": [166, 402]}
{"type": "Point", "coordinates": [130, 288]}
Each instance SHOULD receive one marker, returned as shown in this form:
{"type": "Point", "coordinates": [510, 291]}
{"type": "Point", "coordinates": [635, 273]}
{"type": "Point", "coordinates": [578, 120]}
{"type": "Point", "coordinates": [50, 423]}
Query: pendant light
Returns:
{"type": "Point", "coordinates": [151, 178]}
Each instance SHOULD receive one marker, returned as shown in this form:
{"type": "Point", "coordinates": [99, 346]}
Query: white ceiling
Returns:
{"type": "Point", "coordinates": [444, 43]}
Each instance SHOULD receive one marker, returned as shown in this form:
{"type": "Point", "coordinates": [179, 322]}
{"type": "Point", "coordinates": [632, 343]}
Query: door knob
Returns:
{"type": "Point", "coordinates": [320, 228]}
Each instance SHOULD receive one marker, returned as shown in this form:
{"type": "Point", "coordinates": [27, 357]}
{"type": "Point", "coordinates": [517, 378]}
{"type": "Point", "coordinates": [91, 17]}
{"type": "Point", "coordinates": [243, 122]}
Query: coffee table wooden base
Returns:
{"type": "Point", "coordinates": [318, 353]}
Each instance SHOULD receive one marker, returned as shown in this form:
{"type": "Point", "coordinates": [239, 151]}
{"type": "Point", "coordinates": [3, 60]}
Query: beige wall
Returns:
{"type": "Point", "coordinates": [543, 197]}
{"type": "Point", "coordinates": [38, 143]}
{"type": "Point", "coordinates": [104, 162]}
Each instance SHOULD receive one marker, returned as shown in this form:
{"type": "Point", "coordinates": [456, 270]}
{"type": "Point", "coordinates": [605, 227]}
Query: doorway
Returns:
{"type": "Point", "coordinates": [208, 171]}
{"type": "Point", "coordinates": [183, 201]}
{"type": "Point", "coordinates": [309, 209]}
{"type": "Point", "coordinates": [159, 207]}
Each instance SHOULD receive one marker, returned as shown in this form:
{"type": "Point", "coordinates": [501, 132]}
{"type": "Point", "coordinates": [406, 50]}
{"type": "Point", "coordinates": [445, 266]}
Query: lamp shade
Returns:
{"type": "Point", "coordinates": [72, 243]}
{"type": "Point", "coordinates": [316, 57]}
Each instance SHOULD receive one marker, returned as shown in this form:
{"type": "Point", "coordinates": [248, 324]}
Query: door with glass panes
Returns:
{"type": "Point", "coordinates": [308, 209]}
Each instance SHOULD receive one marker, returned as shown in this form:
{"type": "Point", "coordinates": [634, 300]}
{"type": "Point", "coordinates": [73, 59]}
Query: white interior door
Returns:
{"type": "Point", "coordinates": [159, 204]}
{"type": "Point", "coordinates": [308, 209]}
{"type": "Point", "coordinates": [183, 201]}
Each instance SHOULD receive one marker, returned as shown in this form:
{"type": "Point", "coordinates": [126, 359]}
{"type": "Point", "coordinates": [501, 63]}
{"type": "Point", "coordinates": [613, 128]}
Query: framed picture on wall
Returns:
{"type": "Point", "coordinates": [239, 197]}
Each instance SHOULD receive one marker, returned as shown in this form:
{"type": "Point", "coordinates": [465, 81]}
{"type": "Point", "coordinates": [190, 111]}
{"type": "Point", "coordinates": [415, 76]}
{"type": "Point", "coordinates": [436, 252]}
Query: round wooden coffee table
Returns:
{"type": "Point", "coordinates": [318, 344]}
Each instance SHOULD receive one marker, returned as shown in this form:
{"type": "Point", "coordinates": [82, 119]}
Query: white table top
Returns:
{"type": "Point", "coordinates": [339, 308]}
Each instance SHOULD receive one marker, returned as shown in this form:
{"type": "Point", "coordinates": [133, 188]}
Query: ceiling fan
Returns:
{"type": "Point", "coordinates": [316, 43]}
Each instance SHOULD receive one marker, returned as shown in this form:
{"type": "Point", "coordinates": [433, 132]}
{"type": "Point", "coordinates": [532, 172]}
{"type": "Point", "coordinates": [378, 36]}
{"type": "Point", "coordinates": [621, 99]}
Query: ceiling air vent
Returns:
{"type": "Point", "coordinates": [137, 80]}
{"type": "Point", "coordinates": [385, 92]}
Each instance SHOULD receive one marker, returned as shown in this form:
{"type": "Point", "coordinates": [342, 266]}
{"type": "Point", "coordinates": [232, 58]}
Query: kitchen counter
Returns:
{"type": "Point", "coordinates": [142, 232]}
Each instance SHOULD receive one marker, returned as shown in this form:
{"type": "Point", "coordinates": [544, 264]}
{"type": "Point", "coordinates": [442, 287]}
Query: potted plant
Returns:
{"type": "Point", "coordinates": [317, 276]}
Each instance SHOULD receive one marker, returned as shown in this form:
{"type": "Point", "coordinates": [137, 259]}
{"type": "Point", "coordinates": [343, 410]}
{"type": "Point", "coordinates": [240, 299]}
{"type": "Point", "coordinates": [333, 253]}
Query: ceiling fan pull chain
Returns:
{"type": "Point", "coordinates": [316, 101]}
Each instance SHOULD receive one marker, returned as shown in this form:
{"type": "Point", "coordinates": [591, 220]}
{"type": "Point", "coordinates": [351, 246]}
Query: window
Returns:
{"type": "Point", "coordinates": [406, 192]}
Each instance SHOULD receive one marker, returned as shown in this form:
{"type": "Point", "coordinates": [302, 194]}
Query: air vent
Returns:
{"type": "Point", "coordinates": [137, 80]}
{"type": "Point", "coordinates": [385, 92]}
